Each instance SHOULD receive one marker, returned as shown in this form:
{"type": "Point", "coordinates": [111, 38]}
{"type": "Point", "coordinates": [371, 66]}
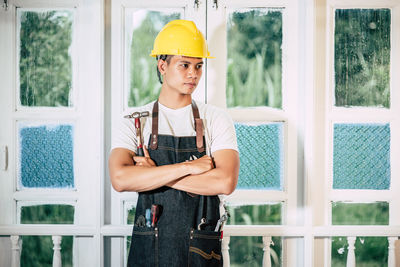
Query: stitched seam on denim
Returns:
{"type": "Point", "coordinates": [177, 150]}
{"type": "Point", "coordinates": [205, 254]}
{"type": "Point", "coordinates": [156, 247]}
{"type": "Point", "coordinates": [206, 236]}
{"type": "Point", "coordinates": [143, 233]}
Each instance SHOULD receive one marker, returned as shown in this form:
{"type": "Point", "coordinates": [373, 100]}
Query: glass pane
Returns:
{"type": "Point", "coordinates": [128, 247]}
{"type": "Point", "coordinates": [45, 156]}
{"type": "Point", "coordinates": [266, 214]}
{"type": "Point", "coordinates": [360, 213]}
{"type": "Point", "coordinates": [370, 251]}
{"type": "Point", "coordinates": [142, 27]}
{"type": "Point", "coordinates": [261, 156]}
{"type": "Point", "coordinates": [45, 65]}
{"type": "Point", "coordinates": [247, 251]}
{"type": "Point", "coordinates": [38, 251]}
{"type": "Point", "coordinates": [130, 210]}
{"type": "Point", "coordinates": [361, 156]}
{"type": "Point", "coordinates": [254, 66]}
{"type": "Point", "coordinates": [362, 57]}
{"type": "Point", "coordinates": [47, 214]}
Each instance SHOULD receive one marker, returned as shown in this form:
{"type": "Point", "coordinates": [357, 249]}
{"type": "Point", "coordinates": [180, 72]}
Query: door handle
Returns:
{"type": "Point", "coordinates": [4, 157]}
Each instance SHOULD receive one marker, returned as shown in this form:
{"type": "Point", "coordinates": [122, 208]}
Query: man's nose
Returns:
{"type": "Point", "coordinates": [193, 72]}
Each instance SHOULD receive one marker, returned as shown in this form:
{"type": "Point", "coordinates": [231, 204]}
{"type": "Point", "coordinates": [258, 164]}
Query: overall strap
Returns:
{"type": "Point", "coordinates": [198, 124]}
{"type": "Point", "coordinates": [154, 127]}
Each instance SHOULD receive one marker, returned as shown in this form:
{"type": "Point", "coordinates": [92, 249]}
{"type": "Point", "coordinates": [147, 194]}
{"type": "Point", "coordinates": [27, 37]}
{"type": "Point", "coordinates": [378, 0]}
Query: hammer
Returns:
{"type": "Point", "coordinates": [137, 115]}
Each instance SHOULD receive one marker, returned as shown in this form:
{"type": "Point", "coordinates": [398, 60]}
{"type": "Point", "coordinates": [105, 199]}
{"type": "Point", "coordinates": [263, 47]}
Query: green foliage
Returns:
{"type": "Point", "coordinates": [45, 64]}
{"type": "Point", "coordinates": [47, 214]}
{"type": "Point", "coordinates": [37, 251]}
{"type": "Point", "coordinates": [254, 71]}
{"type": "Point", "coordinates": [360, 213]}
{"type": "Point", "coordinates": [255, 214]}
{"type": "Point", "coordinates": [248, 250]}
{"type": "Point", "coordinates": [131, 216]}
{"type": "Point", "coordinates": [144, 84]}
{"type": "Point", "coordinates": [362, 57]}
{"type": "Point", "coordinates": [370, 251]}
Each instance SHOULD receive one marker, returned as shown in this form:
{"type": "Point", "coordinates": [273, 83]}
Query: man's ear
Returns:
{"type": "Point", "coordinates": [161, 65]}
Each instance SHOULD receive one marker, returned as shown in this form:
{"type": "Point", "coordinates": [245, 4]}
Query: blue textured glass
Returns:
{"type": "Point", "coordinates": [361, 156]}
{"type": "Point", "coordinates": [261, 156]}
{"type": "Point", "coordinates": [46, 156]}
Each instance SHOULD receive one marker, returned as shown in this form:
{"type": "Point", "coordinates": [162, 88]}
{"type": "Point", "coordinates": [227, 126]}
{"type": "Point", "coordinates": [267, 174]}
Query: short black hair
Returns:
{"type": "Point", "coordinates": [166, 58]}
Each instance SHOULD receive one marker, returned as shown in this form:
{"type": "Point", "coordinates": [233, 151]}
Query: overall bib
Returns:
{"type": "Point", "coordinates": [175, 240]}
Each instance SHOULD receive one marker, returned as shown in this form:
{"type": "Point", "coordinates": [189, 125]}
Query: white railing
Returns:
{"type": "Point", "coordinates": [266, 232]}
{"type": "Point", "coordinates": [55, 231]}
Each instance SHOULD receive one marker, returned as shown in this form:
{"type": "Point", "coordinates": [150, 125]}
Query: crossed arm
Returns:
{"type": "Point", "coordinates": [131, 173]}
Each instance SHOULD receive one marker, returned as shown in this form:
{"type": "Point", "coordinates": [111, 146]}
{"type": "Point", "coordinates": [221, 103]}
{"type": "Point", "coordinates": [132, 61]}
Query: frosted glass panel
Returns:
{"type": "Point", "coordinates": [346, 213]}
{"type": "Point", "coordinates": [45, 156]}
{"type": "Point", "coordinates": [361, 156]}
{"type": "Point", "coordinates": [362, 57]}
{"type": "Point", "coordinates": [45, 64]}
{"type": "Point", "coordinates": [47, 214]}
{"type": "Point", "coordinates": [254, 64]}
{"type": "Point", "coordinates": [263, 214]}
{"type": "Point", "coordinates": [142, 27]}
{"type": "Point", "coordinates": [261, 156]}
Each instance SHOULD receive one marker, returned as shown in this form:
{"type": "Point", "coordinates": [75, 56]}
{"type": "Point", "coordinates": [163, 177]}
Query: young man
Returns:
{"type": "Point", "coordinates": [178, 183]}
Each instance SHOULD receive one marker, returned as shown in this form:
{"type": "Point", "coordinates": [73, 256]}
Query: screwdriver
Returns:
{"type": "Point", "coordinates": [155, 211]}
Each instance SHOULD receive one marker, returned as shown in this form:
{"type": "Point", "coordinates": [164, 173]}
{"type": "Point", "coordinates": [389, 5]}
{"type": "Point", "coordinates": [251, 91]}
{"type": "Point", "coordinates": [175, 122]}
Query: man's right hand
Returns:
{"type": "Point", "coordinates": [201, 165]}
{"type": "Point", "coordinates": [144, 161]}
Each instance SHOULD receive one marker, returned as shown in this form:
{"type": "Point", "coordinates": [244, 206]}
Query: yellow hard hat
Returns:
{"type": "Point", "coordinates": [180, 37]}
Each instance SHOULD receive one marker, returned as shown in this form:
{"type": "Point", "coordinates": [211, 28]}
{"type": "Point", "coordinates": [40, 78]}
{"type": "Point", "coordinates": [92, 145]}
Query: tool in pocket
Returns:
{"type": "Point", "coordinates": [141, 221]}
{"type": "Point", "coordinates": [221, 221]}
{"type": "Point", "coordinates": [202, 222]}
{"type": "Point", "coordinates": [156, 213]}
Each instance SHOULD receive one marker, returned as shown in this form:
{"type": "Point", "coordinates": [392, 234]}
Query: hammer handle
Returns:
{"type": "Point", "coordinates": [140, 152]}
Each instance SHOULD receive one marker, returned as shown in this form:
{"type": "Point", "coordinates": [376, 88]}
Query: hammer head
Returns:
{"type": "Point", "coordinates": [137, 114]}
{"type": "Point", "coordinates": [144, 114]}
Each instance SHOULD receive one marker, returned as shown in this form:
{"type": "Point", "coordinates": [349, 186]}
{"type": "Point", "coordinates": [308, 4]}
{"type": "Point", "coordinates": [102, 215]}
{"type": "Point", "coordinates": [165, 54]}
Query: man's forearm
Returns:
{"type": "Point", "coordinates": [131, 173]}
{"type": "Point", "coordinates": [145, 178]}
{"type": "Point", "coordinates": [220, 180]}
{"type": "Point", "coordinates": [213, 182]}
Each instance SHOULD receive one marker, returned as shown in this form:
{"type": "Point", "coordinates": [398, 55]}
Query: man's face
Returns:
{"type": "Point", "coordinates": [182, 74]}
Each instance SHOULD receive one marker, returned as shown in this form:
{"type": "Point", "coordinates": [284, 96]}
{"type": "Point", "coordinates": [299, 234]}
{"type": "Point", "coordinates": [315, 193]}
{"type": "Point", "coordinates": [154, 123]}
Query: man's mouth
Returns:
{"type": "Point", "coordinates": [191, 84]}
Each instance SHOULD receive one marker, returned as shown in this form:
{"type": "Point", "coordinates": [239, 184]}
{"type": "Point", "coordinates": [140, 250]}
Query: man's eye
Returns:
{"type": "Point", "coordinates": [199, 66]}
{"type": "Point", "coordinates": [185, 65]}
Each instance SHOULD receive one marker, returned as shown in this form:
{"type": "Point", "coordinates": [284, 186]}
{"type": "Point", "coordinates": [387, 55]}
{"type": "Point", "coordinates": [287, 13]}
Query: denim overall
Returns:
{"type": "Point", "coordinates": [175, 240]}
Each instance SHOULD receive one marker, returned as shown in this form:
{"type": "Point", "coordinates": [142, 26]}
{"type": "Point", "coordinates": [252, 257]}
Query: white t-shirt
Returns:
{"type": "Point", "coordinates": [219, 131]}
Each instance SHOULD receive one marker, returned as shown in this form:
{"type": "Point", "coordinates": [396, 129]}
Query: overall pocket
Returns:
{"type": "Point", "coordinates": [204, 249]}
{"type": "Point", "coordinates": [144, 247]}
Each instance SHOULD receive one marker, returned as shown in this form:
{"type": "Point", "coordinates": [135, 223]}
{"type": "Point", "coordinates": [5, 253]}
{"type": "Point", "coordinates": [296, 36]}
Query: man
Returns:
{"type": "Point", "coordinates": [178, 183]}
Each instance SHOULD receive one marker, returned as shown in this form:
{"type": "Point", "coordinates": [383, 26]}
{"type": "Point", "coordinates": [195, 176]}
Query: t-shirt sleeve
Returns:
{"type": "Point", "coordinates": [124, 135]}
{"type": "Point", "coordinates": [223, 135]}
